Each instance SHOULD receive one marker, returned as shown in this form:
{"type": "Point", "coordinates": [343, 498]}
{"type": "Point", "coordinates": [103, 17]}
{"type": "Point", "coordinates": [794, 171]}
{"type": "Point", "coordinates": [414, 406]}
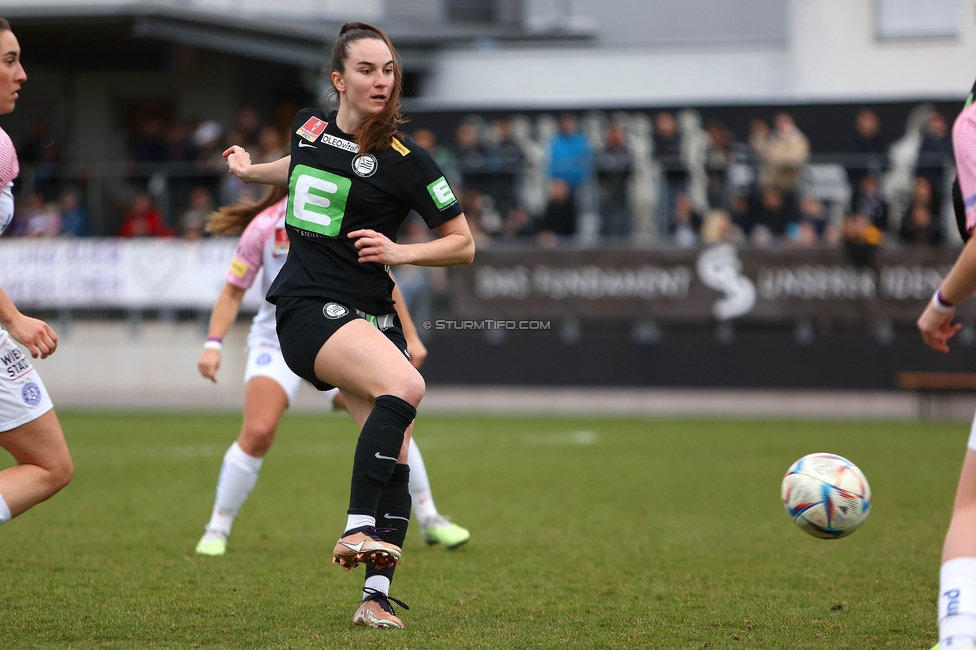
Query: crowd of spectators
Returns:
{"type": "Point", "coordinates": [661, 179]}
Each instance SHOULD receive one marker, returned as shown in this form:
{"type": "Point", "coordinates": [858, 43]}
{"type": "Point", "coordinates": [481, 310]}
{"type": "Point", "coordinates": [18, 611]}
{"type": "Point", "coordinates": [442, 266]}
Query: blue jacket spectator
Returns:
{"type": "Point", "coordinates": [570, 155]}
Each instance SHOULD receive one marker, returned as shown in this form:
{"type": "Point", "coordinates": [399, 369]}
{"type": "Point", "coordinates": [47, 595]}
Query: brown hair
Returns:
{"type": "Point", "coordinates": [376, 131]}
{"type": "Point", "coordinates": [233, 219]}
{"type": "Point", "coordinates": [4, 25]}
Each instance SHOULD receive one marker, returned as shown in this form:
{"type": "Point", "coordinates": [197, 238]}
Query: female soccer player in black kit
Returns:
{"type": "Point", "coordinates": [352, 178]}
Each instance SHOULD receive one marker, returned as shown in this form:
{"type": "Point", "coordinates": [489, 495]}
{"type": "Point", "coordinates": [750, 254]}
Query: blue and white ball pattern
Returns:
{"type": "Point", "coordinates": [826, 495]}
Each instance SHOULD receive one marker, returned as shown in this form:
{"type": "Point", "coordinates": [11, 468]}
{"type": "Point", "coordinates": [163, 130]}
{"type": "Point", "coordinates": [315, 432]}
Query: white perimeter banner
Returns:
{"type": "Point", "coordinates": [121, 273]}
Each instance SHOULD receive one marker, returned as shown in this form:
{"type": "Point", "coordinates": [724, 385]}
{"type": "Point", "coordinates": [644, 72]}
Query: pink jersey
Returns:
{"type": "Point", "coordinates": [964, 145]}
{"type": "Point", "coordinates": [263, 247]}
{"type": "Point", "coordinates": [9, 168]}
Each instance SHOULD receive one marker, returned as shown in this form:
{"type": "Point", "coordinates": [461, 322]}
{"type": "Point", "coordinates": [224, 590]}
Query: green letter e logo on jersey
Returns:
{"type": "Point", "coordinates": [441, 192]}
{"type": "Point", "coordinates": [317, 200]}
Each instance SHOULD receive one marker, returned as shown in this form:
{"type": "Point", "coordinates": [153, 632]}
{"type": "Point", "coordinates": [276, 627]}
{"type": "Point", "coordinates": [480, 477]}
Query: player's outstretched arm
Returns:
{"type": "Point", "coordinates": [239, 164]}
{"type": "Point", "coordinates": [935, 323]}
{"type": "Point", "coordinates": [416, 347]}
{"type": "Point", "coordinates": [36, 335]}
{"type": "Point", "coordinates": [224, 314]}
{"type": "Point", "coordinates": [454, 246]}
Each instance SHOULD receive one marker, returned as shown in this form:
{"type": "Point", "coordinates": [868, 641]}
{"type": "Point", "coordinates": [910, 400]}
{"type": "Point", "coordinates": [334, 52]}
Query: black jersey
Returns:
{"type": "Point", "coordinates": [332, 191]}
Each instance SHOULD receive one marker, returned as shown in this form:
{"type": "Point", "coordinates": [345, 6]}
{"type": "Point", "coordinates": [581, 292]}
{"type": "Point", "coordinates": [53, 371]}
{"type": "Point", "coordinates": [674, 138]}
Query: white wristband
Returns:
{"type": "Point", "coordinates": [939, 306]}
{"type": "Point", "coordinates": [213, 345]}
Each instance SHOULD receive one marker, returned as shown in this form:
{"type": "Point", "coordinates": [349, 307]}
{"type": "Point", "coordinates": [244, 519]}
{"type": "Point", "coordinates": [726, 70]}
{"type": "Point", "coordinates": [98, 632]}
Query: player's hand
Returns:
{"type": "Point", "coordinates": [238, 162]}
{"type": "Point", "coordinates": [417, 351]}
{"type": "Point", "coordinates": [937, 328]}
{"type": "Point", "coordinates": [377, 247]}
{"type": "Point", "coordinates": [209, 363]}
{"type": "Point", "coordinates": [36, 335]}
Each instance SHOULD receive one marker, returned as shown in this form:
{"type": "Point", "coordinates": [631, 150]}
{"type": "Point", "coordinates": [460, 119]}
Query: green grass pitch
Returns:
{"type": "Point", "coordinates": [586, 533]}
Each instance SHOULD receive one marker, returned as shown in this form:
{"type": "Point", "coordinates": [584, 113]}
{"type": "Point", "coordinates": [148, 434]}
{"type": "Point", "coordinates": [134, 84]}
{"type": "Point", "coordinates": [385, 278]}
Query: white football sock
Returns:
{"type": "Point", "coordinates": [238, 475]}
{"type": "Point", "coordinates": [423, 498]}
{"type": "Point", "coordinates": [957, 603]}
{"type": "Point", "coordinates": [358, 521]}
{"type": "Point", "coordinates": [5, 515]}
{"type": "Point", "coordinates": [378, 582]}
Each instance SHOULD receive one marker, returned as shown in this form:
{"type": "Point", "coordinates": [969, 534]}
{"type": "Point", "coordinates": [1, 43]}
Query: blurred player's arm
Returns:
{"type": "Point", "coordinates": [935, 323]}
{"type": "Point", "coordinates": [224, 314]}
{"type": "Point", "coordinates": [36, 335]}
{"type": "Point", "coordinates": [416, 347]}
{"type": "Point", "coordinates": [239, 164]}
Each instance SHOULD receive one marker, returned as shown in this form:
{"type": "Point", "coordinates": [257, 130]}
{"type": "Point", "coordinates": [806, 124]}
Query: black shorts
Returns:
{"type": "Point", "coordinates": [305, 324]}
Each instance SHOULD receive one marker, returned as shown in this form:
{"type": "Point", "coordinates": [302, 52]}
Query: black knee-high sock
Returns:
{"type": "Point", "coordinates": [377, 452]}
{"type": "Point", "coordinates": [393, 514]}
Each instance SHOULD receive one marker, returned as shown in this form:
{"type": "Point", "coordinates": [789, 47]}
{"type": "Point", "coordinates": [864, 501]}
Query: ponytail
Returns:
{"type": "Point", "coordinates": [233, 219]}
{"type": "Point", "coordinates": [375, 132]}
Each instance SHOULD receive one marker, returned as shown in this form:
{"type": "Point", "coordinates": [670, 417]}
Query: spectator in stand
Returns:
{"type": "Point", "coordinates": [248, 126]}
{"type": "Point", "coordinates": [517, 223]}
{"type": "Point", "coordinates": [143, 220]}
{"type": "Point", "coordinates": [206, 138]}
{"type": "Point", "coordinates": [667, 151]}
{"type": "Point", "coordinates": [684, 223]}
{"type": "Point", "coordinates": [935, 151]}
{"type": "Point", "coordinates": [719, 229]}
{"type": "Point", "coordinates": [717, 160]}
{"type": "Point", "coordinates": [151, 145]}
{"type": "Point", "coordinates": [923, 194]}
{"type": "Point", "coordinates": [194, 219]}
{"type": "Point", "coordinates": [471, 156]}
{"type": "Point", "coordinates": [269, 147]}
{"type": "Point", "coordinates": [613, 168]}
{"type": "Point", "coordinates": [867, 201]}
{"type": "Point", "coordinates": [180, 145]}
{"type": "Point", "coordinates": [787, 150]}
{"type": "Point", "coordinates": [571, 160]}
{"type": "Point", "coordinates": [919, 227]}
{"type": "Point", "coordinates": [868, 138]}
{"type": "Point", "coordinates": [74, 219]}
{"type": "Point", "coordinates": [759, 136]}
{"type": "Point", "coordinates": [40, 150]}
{"type": "Point", "coordinates": [559, 219]}
{"type": "Point", "coordinates": [774, 211]}
{"type": "Point", "coordinates": [860, 239]}
{"type": "Point", "coordinates": [40, 219]}
{"type": "Point", "coordinates": [504, 162]}
{"type": "Point", "coordinates": [869, 147]}
{"type": "Point", "coordinates": [443, 156]}
{"type": "Point", "coordinates": [813, 213]}
{"type": "Point", "coordinates": [743, 214]}
{"type": "Point", "coordinates": [483, 219]}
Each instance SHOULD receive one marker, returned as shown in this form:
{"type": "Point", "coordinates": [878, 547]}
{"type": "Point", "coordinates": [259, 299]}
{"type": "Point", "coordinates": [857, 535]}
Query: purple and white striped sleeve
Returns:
{"type": "Point", "coordinates": [964, 145]}
{"type": "Point", "coordinates": [9, 167]}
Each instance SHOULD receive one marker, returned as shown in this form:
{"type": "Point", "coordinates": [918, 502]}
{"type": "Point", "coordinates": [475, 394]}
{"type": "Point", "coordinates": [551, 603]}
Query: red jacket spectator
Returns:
{"type": "Point", "coordinates": [143, 220]}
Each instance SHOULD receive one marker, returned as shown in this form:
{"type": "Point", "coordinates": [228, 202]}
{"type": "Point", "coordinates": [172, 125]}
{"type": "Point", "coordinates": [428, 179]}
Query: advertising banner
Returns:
{"type": "Point", "coordinates": [720, 283]}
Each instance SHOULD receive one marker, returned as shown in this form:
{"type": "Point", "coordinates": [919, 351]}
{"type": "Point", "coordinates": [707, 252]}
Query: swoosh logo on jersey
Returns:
{"type": "Point", "coordinates": [384, 457]}
{"type": "Point", "coordinates": [389, 516]}
{"type": "Point", "coordinates": [354, 547]}
{"type": "Point", "coordinates": [304, 145]}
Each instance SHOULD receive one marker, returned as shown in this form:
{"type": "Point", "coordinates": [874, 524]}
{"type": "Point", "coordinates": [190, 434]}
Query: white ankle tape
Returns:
{"type": "Point", "coordinates": [957, 588]}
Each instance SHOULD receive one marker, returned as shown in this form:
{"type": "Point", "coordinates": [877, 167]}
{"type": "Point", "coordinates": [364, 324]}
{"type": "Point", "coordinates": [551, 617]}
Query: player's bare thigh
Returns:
{"type": "Point", "coordinates": [362, 361]}
{"type": "Point", "coordinates": [40, 442]}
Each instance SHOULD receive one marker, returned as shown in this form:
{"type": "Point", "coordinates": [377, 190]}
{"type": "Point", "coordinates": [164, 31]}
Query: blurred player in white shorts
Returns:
{"type": "Point", "coordinates": [29, 428]}
{"type": "Point", "coordinates": [270, 386]}
{"type": "Point", "coordinates": [957, 577]}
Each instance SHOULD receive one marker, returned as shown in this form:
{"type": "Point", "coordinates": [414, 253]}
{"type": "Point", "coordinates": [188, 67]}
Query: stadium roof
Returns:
{"type": "Point", "coordinates": [290, 39]}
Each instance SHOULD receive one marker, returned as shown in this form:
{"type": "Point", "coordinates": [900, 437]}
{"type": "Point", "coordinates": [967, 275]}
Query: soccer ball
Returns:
{"type": "Point", "coordinates": [825, 495]}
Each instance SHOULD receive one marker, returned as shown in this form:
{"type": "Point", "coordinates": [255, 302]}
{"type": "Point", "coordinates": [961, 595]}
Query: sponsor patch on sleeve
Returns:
{"type": "Point", "coordinates": [399, 147]}
{"type": "Point", "coordinates": [312, 129]}
{"type": "Point", "coordinates": [441, 192]}
{"type": "Point", "coordinates": [238, 268]}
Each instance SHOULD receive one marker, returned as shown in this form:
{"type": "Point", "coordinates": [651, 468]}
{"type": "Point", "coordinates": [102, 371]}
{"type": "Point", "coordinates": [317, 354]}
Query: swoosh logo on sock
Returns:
{"type": "Point", "coordinates": [354, 547]}
{"type": "Point", "coordinates": [389, 516]}
{"type": "Point", "coordinates": [384, 457]}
